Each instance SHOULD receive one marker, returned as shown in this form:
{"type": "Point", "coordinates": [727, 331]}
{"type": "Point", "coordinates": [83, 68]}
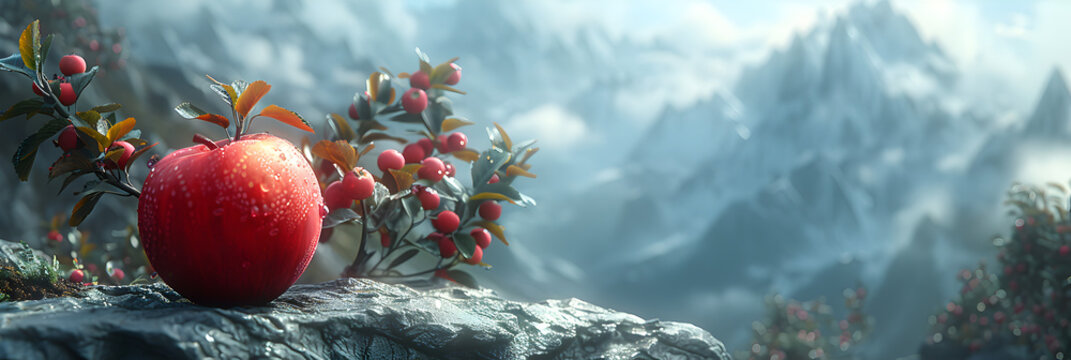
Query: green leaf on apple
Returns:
{"type": "Point", "coordinates": [80, 81]}
{"type": "Point", "coordinates": [466, 245]}
{"type": "Point", "coordinates": [14, 64]}
{"type": "Point", "coordinates": [27, 150]}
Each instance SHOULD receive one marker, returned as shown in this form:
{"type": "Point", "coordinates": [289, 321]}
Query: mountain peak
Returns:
{"type": "Point", "coordinates": [1052, 114]}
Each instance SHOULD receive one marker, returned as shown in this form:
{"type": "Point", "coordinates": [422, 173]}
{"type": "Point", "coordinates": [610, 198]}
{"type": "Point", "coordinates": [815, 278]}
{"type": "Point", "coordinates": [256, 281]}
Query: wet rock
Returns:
{"type": "Point", "coordinates": [345, 318]}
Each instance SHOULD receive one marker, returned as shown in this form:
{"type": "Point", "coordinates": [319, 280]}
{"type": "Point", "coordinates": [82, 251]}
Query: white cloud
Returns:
{"type": "Point", "coordinates": [555, 127]}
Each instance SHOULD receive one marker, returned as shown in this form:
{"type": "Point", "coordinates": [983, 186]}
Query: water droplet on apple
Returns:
{"type": "Point", "coordinates": [217, 212]}
{"type": "Point", "coordinates": [274, 232]}
{"type": "Point", "coordinates": [324, 211]}
{"type": "Point", "coordinates": [254, 211]}
{"type": "Point", "coordinates": [245, 264]}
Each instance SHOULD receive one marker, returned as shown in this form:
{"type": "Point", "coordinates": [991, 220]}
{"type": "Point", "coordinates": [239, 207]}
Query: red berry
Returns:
{"type": "Point", "coordinates": [441, 139]}
{"type": "Point", "coordinates": [123, 160]}
{"type": "Point", "coordinates": [249, 211]}
{"type": "Point", "coordinates": [455, 76]}
{"type": "Point", "coordinates": [426, 144]}
{"type": "Point", "coordinates": [413, 153]}
{"type": "Point", "coordinates": [67, 97]}
{"type": "Point", "coordinates": [450, 170]}
{"type": "Point", "coordinates": [432, 169]}
{"type": "Point", "coordinates": [446, 246]}
{"type": "Point", "coordinates": [384, 239]}
{"type": "Point", "coordinates": [118, 274]}
{"type": "Point", "coordinates": [456, 141]}
{"type": "Point", "coordinates": [55, 235]}
{"type": "Point", "coordinates": [390, 159]}
{"type": "Point", "coordinates": [494, 179]}
{"type": "Point", "coordinates": [429, 199]}
{"type": "Point", "coordinates": [335, 196]}
{"type": "Point", "coordinates": [68, 138]}
{"type": "Point", "coordinates": [353, 112]}
{"type": "Point", "coordinates": [477, 256]}
{"type": "Point", "coordinates": [490, 210]}
{"type": "Point", "coordinates": [1064, 250]}
{"type": "Point", "coordinates": [72, 64]}
{"type": "Point", "coordinates": [446, 222]}
{"type": "Point", "coordinates": [77, 276]}
{"type": "Point", "coordinates": [358, 184]}
{"type": "Point", "coordinates": [327, 168]}
{"type": "Point", "coordinates": [482, 236]}
{"type": "Point", "coordinates": [420, 80]}
{"type": "Point", "coordinates": [37, 90]}
{"type": "Point", "coordinates": [414, 100]}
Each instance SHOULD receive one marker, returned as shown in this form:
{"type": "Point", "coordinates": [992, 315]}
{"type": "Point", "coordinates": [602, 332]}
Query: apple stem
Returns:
{"type": "Point", "coordinates": [201, 139]}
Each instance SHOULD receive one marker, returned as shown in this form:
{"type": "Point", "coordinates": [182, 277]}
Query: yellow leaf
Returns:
{"type": "Point", "coordinates": [527, 154]}
{"type": "Point", "coordinates": [343, 127]}
{"type": "Point", "coordinates": [411, 168]}
{"type": "Point", "coordinates": [491, 196]}
{"type": "Point", "coordinates": [448, 88]}
{"type": "Point", "coordinates": [466, 155]}
{"type": "Point", "coordinates": [121, 128]}
{"type": "Point", "coordinates": [373, 84]}
{"type": "Point", "coordinates": [454, 123]}
{"type": "Point", "coordinates": [403, 75]}
{"type": "Point", "coordinates": [286, 116]}
{"type": "Point", "coordinates": [367, 148]}
{"type": "Point", "coordinates": [250, 97]}
{"type": "Point", "coordinates": [498, 230]}
{"type": "Point", "coordinates": [442, 71]}
{"type": "Point", "coordinates": [102, 141]}
{"type": "Point", "coordinates": [514, 170]}
{"type": "Point", "coordinates": [402, 178]}
{"type": "Point", "coordinates": [29, 43]}
{"type": "Point", "coordinates": [220, 120]}
{"type": "Point", "coordinates": [339, 152]}
{"type": "Point", "coordinates": [505, 137]}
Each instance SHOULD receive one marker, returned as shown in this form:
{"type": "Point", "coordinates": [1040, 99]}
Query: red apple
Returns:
{"type": "Point", "coordinates": [413, 153]}
{"type": "Point", "coordinates": [231, 224]}
{"type": "Point", "coordinates": [494, 179]}
{"type": "Point", "coordinates": [477, 256]}
{"type": "Point", "coordinates": [432, 169]}
{"type": "Point", "coordinates": [455, 76]}
{"type": "Point", "coordinates": [414, 100]}
{"type": "Point", "coordinates": [456, 141]}
{"type": "Point", "coordinates": [37, 89]}
{"type": "Point", "coordinates": [1064, 250]}
{"type": "Point", "coordinates": [420, 80]}
{"type": "Point", "coordinates": [441, 140]}
{"type": "Point", "coordinates": [121, 163]}
{"type": "Point", "coordinates": [482, 236]}
{"type": "Point", "coordinates": [335, 196]}
{"type": "Point", "coordinates": [390, 159]}
{"type": "Point", "coordinates": [76, 276]}
{"type": "Point", "coordinates": [446, 222]}
{"type": "Point", "coordinates": [446, 246]}
{"type": "Point", "coordinates": [68, 138]}
{"type": "Point", "coordinates": [55, 235]}
{"type": "Point", "coordinates": [118, 274]}
{"type": "Point", "coordinates": [358, 184]}
{"type": "Point", "coordinates": [72, 64]}
{"type": "Point", "coordinates": [429, 199]}
{"type": "Point", "coordinates": [426, 144]}
{"type": "Point", "coordinates": [490, 210]}
{"type": "Point", "coordinates": [67, 97]}
{"type": "Point", "coordinates": [353, 112]}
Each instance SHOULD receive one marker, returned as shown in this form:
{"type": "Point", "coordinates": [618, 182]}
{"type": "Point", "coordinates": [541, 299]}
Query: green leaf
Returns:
{"type": "Point", "coordinates": [403, 258]}
{"type": "Point", "coordinates": [14, 63]}
{"type": "Point", "coordinates": [506, 190]}
{"type": "Point", "coordinates": [381, 136]}
{"type": "Point", "coordinates": [498, 230]}
{"type": "Point", "coordinates": [189, 111]}
{"type": "Point", "coordinates": [219, 90]}
{"type": "Point", "coordinates": [27, 151]}
{"type": "Point", "coordinates": [364, 108]}
{"type": "Point", "coordinates": [465, 243]}
{"type": "Point", "coordinates": [69, 163]}
{"type": "Point", "coordinates": [438, 110]}
{"type": "Point", "coordinates": [27, 107]}
{"type": "Point", "coordinates": [490, 161]}
{"type": "Point", "coordinates": [96, 137]}
{"type": "Point", "coordinates": [30, 44]}
{"type": "Point", "coordinates": [339, 216]}
{"type": "Point", "coordinates": [71, 178]}
{"type": "Point", "coordinates": [340, 127]}
{"type": "Point", "coordinates": [463, 278]}
{"type": "Point", "coordinates": [90, 117]}
{"type": "Point", "coordinates": [83, 208]}
{"type": "Point", "coordinates": [80, 81]}
{"type": "Point", "coordinates": [106, 108]}
{"type": "Point", "coordinates": [45, 45]}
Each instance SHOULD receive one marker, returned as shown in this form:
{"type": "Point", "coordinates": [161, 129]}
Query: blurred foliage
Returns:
{"type": "Point", "coordinates": [808, 330]}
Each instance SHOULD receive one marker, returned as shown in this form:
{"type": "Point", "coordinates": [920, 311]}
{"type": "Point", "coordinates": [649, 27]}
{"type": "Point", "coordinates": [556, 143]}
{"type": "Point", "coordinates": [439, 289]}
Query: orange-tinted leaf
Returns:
{"type": "Point", "coordinates": [448, 88]}
{"type": "Point", "coordinates": [410, 168]}
{"type": "Point", "coordinates": [102, 141]}
{"type": "Point", "coordinates": [341, 126]}
{"type": "Point", "coordinates": [217, 119]}
{"type": "Point", "coordinates": [453, 123]}
{"type": "Point", "coordinates": [498, 230]}
{"type": "Point", "coordinates": [505, 137]}
{"type": "Point", "coordinates": [339, 152]}
{"type": "Point", "coordinates": [367, 148]}
{"type": "Point", "coordinates": [403, 75]}
{"type": "Point", "coordinates": [373, 84]}
{"type": "Point", "coordinates": [251, 96]}
{"type": "Point", "coordinates": [466, 155]}
{"type": "Point", "coordinates": [402, 178]}
{"type": "Point", "coordinates": [286, 116]}
{"type": "Point", "coordinates": [83, 208]}
{"type": "Point", "coordinates": [138, 153]}
{"type": "Point", "coordinates": [442, 71]}
{"type": "Point", "coordinates": [491, 196]}
{"type": "Point", "coordinates": [514, 170]}
{"type": "Point", "coordinates": [121, 128]}
{"type": "Point", "coordinates": [30, 44]}
{"type": "Point", "coordinates": [528, 154]}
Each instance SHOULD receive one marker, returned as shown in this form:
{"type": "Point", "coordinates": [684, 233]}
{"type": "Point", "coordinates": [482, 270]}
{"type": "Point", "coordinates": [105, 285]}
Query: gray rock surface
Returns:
{"type": "Point", "coordinates": [345, 318]}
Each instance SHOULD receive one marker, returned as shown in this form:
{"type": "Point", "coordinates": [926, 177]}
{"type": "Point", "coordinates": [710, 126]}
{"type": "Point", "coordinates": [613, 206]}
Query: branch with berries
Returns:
{"type": "Point", "coordinates": [416, 186]}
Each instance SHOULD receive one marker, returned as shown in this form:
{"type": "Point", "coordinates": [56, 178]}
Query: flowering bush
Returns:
{"type": "Point", "coordinates": [1024, 303]}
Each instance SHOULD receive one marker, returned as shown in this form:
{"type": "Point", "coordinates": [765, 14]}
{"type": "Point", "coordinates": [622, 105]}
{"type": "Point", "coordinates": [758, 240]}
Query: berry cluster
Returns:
{"type": "Point", "coordinates": [807, 330]}
{"type": "Point", "coordinates": [1027, 301]}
